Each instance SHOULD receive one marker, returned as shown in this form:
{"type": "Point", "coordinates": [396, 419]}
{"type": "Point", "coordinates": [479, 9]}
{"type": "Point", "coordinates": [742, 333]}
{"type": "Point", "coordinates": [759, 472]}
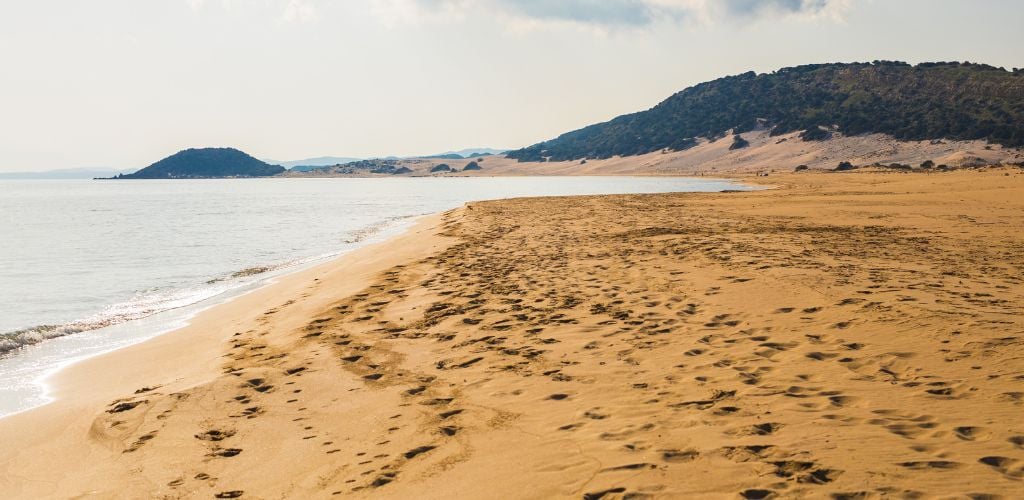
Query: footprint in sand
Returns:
{"type": "Point", "coordinates": [124, 406]}
{"type": "Point", "coordinates": [763, 429]}
{"type": "Point", "coordinates": [930, 464]}
{"type": "Point", "coordinates": [970, 433]}
{"type": "Point", "coordinates": [418, 451]}
{"type": "Point", "coordinates": [757, 494]}
{"type": "Point", "coordinates": [1009, 467]}
{"type": "Point", "coordinates": [215, 435]}
{"type": "Point", "coordinates": [805, 472]}
{"type": "Point", "coordinates": [598, 495]}
{"type": "Point", "coordinates": [677, 456]}
{"type": "Point", "coordinates": [224, 452]}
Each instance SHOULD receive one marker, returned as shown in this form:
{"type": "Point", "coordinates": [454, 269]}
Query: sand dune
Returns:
{"type": "Point", "coordinates": [773, 154]}
{"type": "Point", "coordinates": [857, 335]}
{"type": "Point", "coordinates": [765, 154]}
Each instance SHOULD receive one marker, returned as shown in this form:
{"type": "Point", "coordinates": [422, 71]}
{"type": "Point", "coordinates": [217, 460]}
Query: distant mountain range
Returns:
{"type": "Point", "coordinates": [67, 173]}
{"type": "Point", "coordinates": [205, 163]}
{"type": "Point", "coordinates": [311, 163]}
{"type": "Point", "coordinates": [467, 153]}
{"type": "Point", "coordinates": [929, 101]}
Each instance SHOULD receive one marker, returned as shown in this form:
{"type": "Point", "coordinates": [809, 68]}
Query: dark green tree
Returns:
{"type": "Point", "coordinates": [738, 142]}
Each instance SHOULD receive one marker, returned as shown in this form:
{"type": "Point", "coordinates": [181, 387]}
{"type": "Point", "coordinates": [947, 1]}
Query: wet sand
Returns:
{"type": "Point", "coordinates": [855, 335]}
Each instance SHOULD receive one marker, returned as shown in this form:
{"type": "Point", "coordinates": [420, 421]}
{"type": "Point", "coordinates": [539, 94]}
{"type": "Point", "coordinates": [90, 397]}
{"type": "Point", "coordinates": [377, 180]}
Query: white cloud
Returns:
{"type": "Point", "coordinates": [299, 11]}
{"type": "Point", "coordinates": [287, 11]}
{"type": "Point", "coordinates": [397, 12]}
{"type": "Point", "coordinates": [525, 15]}
{"type": "Point", "coordinates": [607, 14]}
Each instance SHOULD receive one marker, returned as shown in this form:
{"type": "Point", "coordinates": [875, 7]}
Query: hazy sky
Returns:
{"type": "Point", "coordinates": [122, 83]}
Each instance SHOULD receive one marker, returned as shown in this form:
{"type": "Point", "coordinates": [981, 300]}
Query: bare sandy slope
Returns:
{"type": "Point", "coordinates": [765, 154]}
{"type": "Point", "coordinates": [771, 154]}
{"type": "Point", "coordinates": [859, 335]}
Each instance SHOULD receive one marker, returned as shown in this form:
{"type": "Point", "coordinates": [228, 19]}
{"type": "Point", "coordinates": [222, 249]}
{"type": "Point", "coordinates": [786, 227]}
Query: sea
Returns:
{"type": "Point", "coordinates": [87, 267]}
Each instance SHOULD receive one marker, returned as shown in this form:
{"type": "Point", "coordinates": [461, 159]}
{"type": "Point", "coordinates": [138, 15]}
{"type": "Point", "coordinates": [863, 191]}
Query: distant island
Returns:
{"type": "Point", "coordinates": [230, 163]}
{"type": "Point", "coordinates": [206, 163]}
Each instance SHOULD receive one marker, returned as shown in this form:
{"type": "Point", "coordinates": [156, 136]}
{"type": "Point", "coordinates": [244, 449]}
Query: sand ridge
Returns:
{"type": "Point", "coordinates": [850, 335]}
{"type": "Point", "coordinates": [765, 154]}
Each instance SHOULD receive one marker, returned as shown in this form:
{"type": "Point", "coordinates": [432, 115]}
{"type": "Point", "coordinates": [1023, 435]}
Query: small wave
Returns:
{"type": "Point", "coordinates": [142, 305]}
{"type": "Point", "coordinates": [245, 273]}
{"type": "Point", "coordinates": [29, 336]}
{"type": "Point", "coordinates": [366, 232]}
{"type": "Point", "coordinates": [155, 301]}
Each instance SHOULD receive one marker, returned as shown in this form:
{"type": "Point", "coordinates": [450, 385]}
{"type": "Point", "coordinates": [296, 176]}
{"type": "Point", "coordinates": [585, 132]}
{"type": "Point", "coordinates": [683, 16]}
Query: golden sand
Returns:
{"type": "Point", "coordinates": [858, 335]}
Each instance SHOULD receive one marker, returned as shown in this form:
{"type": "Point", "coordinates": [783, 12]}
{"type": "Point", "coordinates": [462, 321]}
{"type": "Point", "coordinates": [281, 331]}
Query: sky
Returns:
{"type": "Point", "coordinates": [123, 83]}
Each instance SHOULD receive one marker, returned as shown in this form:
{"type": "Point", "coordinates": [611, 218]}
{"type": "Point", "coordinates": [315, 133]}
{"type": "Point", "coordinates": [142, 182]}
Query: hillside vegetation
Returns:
{"type": "Point", "coordinates": [363, 167]}
{"type": "Point", "coordinates": [960, 101]}
{"type": "Point", "coordinates": [206, 163]}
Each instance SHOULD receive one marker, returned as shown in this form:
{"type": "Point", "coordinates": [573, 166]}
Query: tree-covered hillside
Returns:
{"type": "Point", "coordinates": [374, 166]}
{"type": "Point", "coordinates": [928, 101]}
{"type": "Point", "coordinates": [206, 163]}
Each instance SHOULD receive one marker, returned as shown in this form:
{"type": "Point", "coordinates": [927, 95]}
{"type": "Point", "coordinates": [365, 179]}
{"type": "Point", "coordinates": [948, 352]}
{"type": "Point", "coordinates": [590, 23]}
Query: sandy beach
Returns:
{"type": "Point", "coordinates": [853, 335]}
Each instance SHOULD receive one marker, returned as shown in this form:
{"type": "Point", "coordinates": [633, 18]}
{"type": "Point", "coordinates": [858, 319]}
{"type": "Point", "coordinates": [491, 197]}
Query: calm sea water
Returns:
{"type": "Point", "coordinates": [91, 266]}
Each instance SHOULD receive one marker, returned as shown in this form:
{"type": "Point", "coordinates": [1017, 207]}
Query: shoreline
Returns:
{"type": "Point", "coordinates": [91, 322]}
{"type": "Point", "coordinates": [186, 355]}
{"type": "Point", "coordinates": [174, 323]}
{"type": "Point", "coordinates": [546, 346]}
{"type": "Point", "coordinates": [178, 317]}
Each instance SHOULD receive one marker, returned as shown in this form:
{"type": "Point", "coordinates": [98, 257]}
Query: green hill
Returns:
{"type": "Point", "coordinates": [362, 167]}
{"type": "Point", "coordinates": [929, 101]}
{"type": "Point", "coordinates": [206, 163]}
